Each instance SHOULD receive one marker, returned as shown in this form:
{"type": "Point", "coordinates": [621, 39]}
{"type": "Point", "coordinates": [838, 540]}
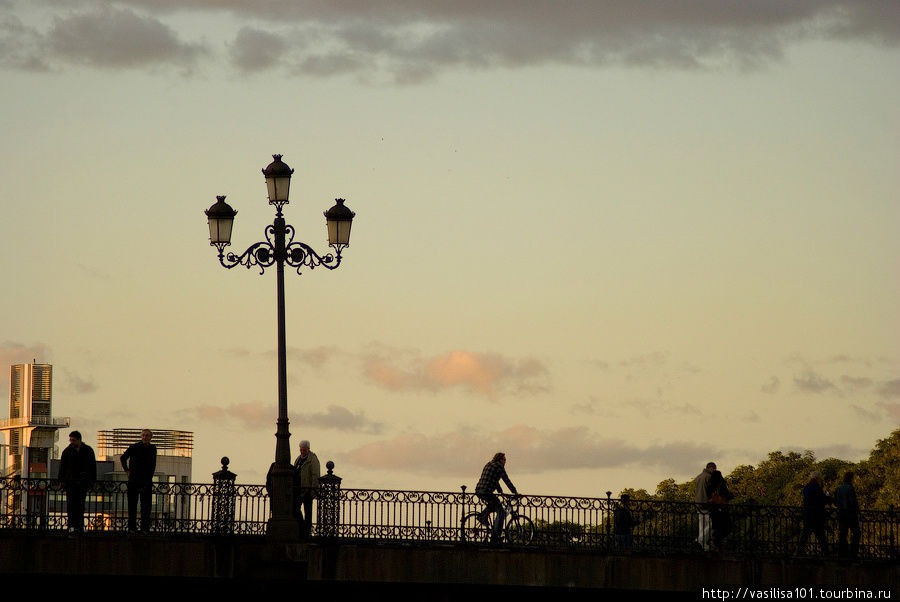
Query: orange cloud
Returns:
{"type": "Point", "coordinates": [483, 373]}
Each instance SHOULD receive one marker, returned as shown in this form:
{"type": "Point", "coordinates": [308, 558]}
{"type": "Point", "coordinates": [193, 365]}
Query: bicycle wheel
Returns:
{"type": "Point", "coordinates": [520, 531]}
{"type": "Point", "coordinates": [471, 530]}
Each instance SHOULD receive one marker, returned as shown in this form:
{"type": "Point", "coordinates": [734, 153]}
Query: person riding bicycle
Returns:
{"type": "Point", "coordinates": [488, 483]}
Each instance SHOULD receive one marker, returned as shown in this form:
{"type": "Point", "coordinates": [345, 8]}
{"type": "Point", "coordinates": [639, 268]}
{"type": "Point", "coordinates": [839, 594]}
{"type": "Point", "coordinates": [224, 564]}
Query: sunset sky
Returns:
{"type": "Point", "coordinates": [615, 240]}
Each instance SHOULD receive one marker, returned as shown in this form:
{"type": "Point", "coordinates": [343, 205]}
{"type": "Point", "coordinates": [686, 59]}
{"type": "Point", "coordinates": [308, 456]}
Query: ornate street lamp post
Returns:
{"type": "Point", "coordinates": [279, 249]}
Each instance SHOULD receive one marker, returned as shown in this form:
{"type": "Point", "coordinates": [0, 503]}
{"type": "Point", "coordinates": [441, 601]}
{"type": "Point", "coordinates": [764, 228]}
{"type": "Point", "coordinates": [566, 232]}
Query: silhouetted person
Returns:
{"type": "Point", "coordinates": [720, 521]}
{"type": "Point", "coordinates": [77, 473]}
{"type": "Point", "coordinates": [814, 501]}
{"type": "Point", "coordinates": [702, 491]}
{"type": "Point", "coordinates": [624, 523]}
{"type": "Point", "coordinates": [489, 482]}
{"type": "Point", "coordinates": [306, 486]}
{"type": "Point", "coordinates": [848, 517]}
{"type": "Point", "coordinates": [139, 462]}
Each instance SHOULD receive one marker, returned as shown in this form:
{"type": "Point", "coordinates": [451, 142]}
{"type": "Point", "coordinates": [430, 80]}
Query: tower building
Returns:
{"type": "Point", "coordinates": [30, 432]}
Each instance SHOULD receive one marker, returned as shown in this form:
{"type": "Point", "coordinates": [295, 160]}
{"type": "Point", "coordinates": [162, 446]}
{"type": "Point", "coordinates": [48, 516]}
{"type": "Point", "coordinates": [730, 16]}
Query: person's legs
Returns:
{"type": "Point", "coordinates": [705, 525]}
{"type": "Point", "coordinates": [146, 496]}
{"type": "Point", "coordinates": [133, 491]}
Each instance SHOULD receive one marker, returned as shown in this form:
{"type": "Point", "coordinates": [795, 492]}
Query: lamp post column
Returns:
{"type": "Point", "coordinates": [283, 523]}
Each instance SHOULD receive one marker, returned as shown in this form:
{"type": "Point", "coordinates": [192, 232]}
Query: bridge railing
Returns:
{"type": "Point", "coordinates": [218, 508]}
{"type": "Point", "coordinates": [227, 508]}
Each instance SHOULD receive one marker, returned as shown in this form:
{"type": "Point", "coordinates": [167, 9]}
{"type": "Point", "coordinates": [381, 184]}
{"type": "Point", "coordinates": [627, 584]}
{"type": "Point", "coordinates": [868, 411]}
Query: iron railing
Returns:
{"type": "Point", "coordinates": [219, 508]}
{"type": "Point", "coordinates": [433, 517]}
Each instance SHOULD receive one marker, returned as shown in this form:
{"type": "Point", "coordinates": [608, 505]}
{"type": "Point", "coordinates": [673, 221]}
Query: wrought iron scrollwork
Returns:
{"type": "Point", "coordinates": [264, 254]}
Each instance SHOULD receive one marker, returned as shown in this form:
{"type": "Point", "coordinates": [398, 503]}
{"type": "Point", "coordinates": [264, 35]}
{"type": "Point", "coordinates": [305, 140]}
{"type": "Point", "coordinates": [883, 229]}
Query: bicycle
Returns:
{"type": "Point", "coordinates": [519, 529]}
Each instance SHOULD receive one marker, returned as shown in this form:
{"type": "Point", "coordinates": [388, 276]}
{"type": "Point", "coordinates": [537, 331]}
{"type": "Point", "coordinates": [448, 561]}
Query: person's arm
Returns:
{"type": "Point", "coordinates": [509, 484]}
{"type": "Point", "coordinates": [92, 466]}
{"type": "Point", "coordinates": [152, 461]}
{"type": "Point", "coordinates": [124, 459]}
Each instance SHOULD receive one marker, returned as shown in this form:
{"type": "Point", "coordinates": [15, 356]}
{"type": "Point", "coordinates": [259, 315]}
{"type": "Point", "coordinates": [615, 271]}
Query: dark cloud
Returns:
{"type": "Point", "coordinates": [110, 37]}
{"type": "Point", "coordinates": [255, 50]}
{"type": "Point", "coordinates": [409, 41]}
{"type": "Point", "coordinates": [529, 449]}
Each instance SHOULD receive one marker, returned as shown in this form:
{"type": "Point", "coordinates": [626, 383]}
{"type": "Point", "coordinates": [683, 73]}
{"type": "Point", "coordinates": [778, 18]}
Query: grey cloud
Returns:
{"type": "Point", "coordinates": [654, 408]}
{"type": "Point", "coordinates": [529, 449]}
{"type": "Point", "coordinates": [812, 382]}
{"type": "Point", "coordinates": [254, 49]}
{"type": "Point", "coordinates": [842, 451]}
{"type": "Point", "coordinates": [594, 407]}
{"type": "Point", "coordinates": [339, 418]}
{"type": "Point", "coordinates": [407, 41]}
{"type": "Point", "coordinates": [865, 413]}
{"type": "Point", "coordinates": [891, 409]}
{"type": "Point", "coordinates": [856, 382]}
{"type": "Point", "coordinates": [258, 415]}
{"type": "Point", "coordinates": [20, 46]}
{"type": "Point", "coordinates": [771, 386]}
{"type": "Point", "coordinates": [646, 360]}
{"type": "Point", "coordinates": [109, 37]}
{"type": "Point", "coordinates": [890, 389]}
{"type": "Point", "coordinates": [78, 384]}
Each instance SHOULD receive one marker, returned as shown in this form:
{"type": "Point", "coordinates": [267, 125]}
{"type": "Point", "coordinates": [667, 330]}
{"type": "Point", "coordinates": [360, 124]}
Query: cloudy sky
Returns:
{"type": "Point", "coordinates": [615, 240]}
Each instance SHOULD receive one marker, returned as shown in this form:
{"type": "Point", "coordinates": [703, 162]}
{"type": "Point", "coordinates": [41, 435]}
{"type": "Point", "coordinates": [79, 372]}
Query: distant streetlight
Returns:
{"type": "Point", "coordinates": [279, 249]}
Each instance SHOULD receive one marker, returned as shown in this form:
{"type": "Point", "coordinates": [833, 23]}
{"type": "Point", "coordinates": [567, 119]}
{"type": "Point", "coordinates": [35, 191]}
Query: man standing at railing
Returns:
{"type": "Point", "coordinates": [814, 501]}
{"type": "Point", "coordinates": [488, 483]}
{"type": "Point", "coordinates": [702, 491]}
{"type": "Point", "coordinates": [306, 486]}
{"type": "Point", "coordinates": [139, 462]}
{"type": "Point", "coordinates": [77, 473]}
{"type": "Point", "coordinates": [848, 517]}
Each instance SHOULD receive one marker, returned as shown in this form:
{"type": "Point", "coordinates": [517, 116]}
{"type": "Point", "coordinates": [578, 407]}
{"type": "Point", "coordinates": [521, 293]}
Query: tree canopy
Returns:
{"type": "Point", "coordinates": [778, 479]}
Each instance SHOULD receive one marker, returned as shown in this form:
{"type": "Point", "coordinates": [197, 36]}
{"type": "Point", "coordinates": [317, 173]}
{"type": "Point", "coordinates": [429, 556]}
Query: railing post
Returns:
{"type": "Point", "coordinates": [462, 527]}
{"type": "Point", "coordinates": [329, 506]}
{"type": "Point", "coordinates": [223, 500]}
{"type": "Point", "coordinates": [610, 540]}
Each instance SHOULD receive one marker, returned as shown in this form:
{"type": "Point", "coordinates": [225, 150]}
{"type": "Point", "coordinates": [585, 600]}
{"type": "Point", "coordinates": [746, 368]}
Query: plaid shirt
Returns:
{"type": "Point", "coordinates": [490, 479]}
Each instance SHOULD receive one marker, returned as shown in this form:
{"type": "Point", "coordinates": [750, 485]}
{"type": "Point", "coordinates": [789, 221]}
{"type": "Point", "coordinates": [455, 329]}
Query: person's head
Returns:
{"type": "Point", "coordinates": [625, 498]}
{"type": "Point", "coordinates": [304, 448]}
{"type": "Point", "coordinates": [75, 439]}
{"type": "Point", "coordinates": [710, 466]}
{"type": "Point", "coordinates": [146, 436]}
{"type": "Point", "coordinates": [499, 458]}
{"type": "Point", "coordinates": [815, 476]}
{"type": "Point", "coordinates": [848, 476]}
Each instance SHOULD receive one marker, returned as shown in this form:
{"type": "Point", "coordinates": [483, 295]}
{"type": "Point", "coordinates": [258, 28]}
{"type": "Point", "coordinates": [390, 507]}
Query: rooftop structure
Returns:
{"type": "Point", "coordinates": [168, 442]}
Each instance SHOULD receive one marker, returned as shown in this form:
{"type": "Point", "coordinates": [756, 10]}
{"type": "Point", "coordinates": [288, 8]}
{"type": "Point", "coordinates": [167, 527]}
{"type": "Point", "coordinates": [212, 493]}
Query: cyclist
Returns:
{"type": "Point", "coordinates": [488, 483]}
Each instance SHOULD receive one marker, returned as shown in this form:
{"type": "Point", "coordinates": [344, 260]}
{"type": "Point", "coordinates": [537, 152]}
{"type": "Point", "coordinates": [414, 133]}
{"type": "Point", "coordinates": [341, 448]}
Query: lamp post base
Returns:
{"type": "Point", "coordinates": [282, 525]}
